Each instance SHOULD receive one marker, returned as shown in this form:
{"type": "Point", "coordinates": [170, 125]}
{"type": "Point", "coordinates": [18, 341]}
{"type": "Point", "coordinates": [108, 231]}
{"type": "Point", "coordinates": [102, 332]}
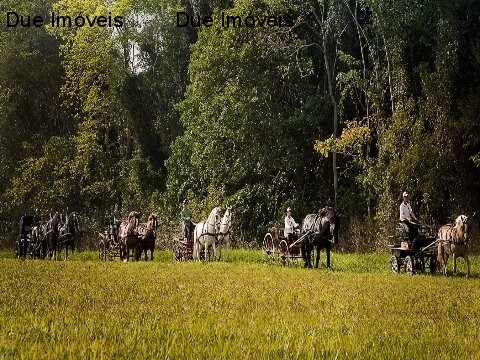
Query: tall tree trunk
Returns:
{"type": "Point", "coordinates": [331, 92]}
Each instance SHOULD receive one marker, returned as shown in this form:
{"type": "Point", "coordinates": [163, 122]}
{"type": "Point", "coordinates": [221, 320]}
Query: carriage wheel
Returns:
{"type": "Point", "coordinates": [176, 253]}
{"type": "Point", "coordinates": [16, 247]}
{"type": "Point", "coordinates": [409, 265]}
{"type": "Point", "coordinates": [102, 251]}
{"type": "Point", "coordinates": [394, 266]}
{"type": "Point", "coordinates": [268, 247]}
{"type": "Point", "coordinates": [283, 252]}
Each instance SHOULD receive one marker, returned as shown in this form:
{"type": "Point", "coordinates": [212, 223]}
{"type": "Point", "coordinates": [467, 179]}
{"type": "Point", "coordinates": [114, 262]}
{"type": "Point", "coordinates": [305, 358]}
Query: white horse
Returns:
{"type": "Point", "coordinates": [225, 231]}
{"type": "Point", "coordinates": [206, 233]}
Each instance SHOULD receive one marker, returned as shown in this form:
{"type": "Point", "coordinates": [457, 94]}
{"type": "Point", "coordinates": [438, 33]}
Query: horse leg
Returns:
{"type": "Point", "coordinates": [445, 261]}
{"type": "Point", "coordinates": [303, 249]}
{"type": "Point", "coordinates": [328, 256]}
{"type": "Point", "coordinates": [151, 253]}
{"type": "Point", "coordinates": [468, 264]}
{"type": "Point", "coordinates": [309, 250]}
{"type": "Point", "coordinates": [317, 258]}
{"type": "Point", "coordinates": [454, 263]}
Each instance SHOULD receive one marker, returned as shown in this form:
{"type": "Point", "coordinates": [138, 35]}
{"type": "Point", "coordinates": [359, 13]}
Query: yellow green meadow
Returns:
{"type": "Point", "coordinates": [239, 309]}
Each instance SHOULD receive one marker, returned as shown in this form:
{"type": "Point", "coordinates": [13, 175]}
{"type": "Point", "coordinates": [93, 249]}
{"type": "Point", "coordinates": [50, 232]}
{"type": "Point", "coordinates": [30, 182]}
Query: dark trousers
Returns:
{"type": "Point", "coordinates": [412, 229]}
{"type": "Point", "coordinates": [187, 229]}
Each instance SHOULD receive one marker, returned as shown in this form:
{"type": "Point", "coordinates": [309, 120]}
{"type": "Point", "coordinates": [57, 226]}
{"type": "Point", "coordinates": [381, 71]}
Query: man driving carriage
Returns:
{"type": "Point", "coordinates": [408, 218]}
{"type": "Point", "coordinates": [117, 220]}
{"type": "Point", "coordinates": [186, 215]}
{"type": "Point", "coordinates": [290, 226]}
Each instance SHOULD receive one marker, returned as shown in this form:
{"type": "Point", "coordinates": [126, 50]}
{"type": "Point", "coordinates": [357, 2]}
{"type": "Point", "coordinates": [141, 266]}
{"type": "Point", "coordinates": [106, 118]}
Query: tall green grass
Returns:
{"type": "Point", "coordinates": [243, 308]}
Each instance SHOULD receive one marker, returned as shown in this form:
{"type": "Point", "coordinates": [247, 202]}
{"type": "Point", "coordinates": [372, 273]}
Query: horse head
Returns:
{"type": "Point", "coordinates": [227, 218]}
{"type": "Point", "coordinates": [152, 224]}
{"type": "Point", "coordinates": [55, 222]}
{"type": "Point", "coordinates": [461, 224]}
{"type": "Point", "coordinates": [76, 221]}
{"type": "Point", "coordinates": [330, 221]}
{"type": "Point", "coordinates": [215, 219]}
{"type": "Point", "coordinates": [134, 219]}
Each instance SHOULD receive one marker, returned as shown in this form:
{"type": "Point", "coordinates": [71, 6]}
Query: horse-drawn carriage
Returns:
{"type": "Point", "coordinates": [183, 247]}
{"type": "Point", "coordinates": [45, 239]}
{"type": "Point", "coordinates": [109, 246]}
{"type": "Point", "coordinates": [204, 240]}
{"type": "Point", "coordinates": [26, 244]}
{"type": "Point", "coordinates": [122, 237]}
{"type": "Point", "coordinates": [276, 247]}
{"type": "Point", "coordinates": [318, 231]}
{"type": "Point", "coordinates": [413, 255]}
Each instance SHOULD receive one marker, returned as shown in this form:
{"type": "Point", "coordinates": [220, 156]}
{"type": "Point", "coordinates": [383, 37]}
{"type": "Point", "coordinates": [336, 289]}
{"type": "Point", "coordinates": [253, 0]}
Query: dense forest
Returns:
{"type": "Point", "coordinates": [354, 103]}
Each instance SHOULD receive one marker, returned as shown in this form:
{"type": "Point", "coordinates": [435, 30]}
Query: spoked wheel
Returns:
{"type": "Point", "coordinates": [283, 252]}
{"type": "Point", "coordinates": [102, 251]}
{"type": "Point", "coordinates": [268, 247]}
{"type": "Point", "coordinates": [409, 265]}
{"type": "Point", "coordinates": [394, 266]}
{"type": "Point", "coordinates": [176, 253]}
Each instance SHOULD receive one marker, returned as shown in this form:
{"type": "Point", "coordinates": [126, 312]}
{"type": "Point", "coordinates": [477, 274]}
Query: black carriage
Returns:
{"type": "Point", "coordinates": [413, 255]}
{"type": "Point", "coordinates": [110, 246]}
{"type": "Point", "coordinates": [26, 244]}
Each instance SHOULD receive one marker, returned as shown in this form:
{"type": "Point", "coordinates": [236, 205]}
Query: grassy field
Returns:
{"type": "Point", "coordinates": [242, 308]}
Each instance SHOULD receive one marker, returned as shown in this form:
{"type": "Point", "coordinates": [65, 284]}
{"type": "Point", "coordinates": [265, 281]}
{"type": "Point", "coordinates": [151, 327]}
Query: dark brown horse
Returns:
{"type": "Point", "coordinates": [68, 232]}
{"type": "Point", "coordinates": [147, 234]}
{"type": "Point", "coordinates": [51, 232]}
{"type": "Point", "coordinates": [321, 232]}
{"type": "Point", "coordinates": [128, 236]}
{"type": "Point", "coordinates": [453, 240]}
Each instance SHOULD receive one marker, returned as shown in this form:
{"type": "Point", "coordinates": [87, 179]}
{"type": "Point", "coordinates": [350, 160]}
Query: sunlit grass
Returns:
{"type": "Point", "coordinates": [243, 308]}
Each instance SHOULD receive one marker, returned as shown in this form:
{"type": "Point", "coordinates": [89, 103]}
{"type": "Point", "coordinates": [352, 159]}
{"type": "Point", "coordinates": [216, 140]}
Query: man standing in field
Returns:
{"type": "Point", "coordinates": [407, 217]}
{"type": "Point", "coordinates": [186, 216]}
{"type": "Point", "coordinates": [290, 226]}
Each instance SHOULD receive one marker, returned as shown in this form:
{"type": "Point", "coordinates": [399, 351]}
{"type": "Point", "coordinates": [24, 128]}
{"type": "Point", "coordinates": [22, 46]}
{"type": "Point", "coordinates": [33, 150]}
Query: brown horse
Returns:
{"type": "Point", "coordinates": [452, 240]}
{"type": "Point", "coordinates": [128, 235]}
{"type": "Point", "coordinates": [147, 234]}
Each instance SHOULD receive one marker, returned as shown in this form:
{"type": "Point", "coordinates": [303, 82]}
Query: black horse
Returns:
{"type": "Point", "coordinates": [51, 232]}
{"type": "Point", "coordinates": [321, 233]}
{"type": "Point", "coordinates": [67, 233]}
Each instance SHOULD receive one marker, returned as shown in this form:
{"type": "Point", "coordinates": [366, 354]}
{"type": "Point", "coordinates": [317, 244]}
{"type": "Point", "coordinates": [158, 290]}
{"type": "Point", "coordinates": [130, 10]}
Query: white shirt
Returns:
{"type": "Point", "coordinates": [290, 224]}
{"type": "Point", "coordinates": [406, 212]}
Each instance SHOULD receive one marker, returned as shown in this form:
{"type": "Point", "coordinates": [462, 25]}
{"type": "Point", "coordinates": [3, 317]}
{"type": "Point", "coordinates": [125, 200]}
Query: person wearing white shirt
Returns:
{"type": "Point", "coordinates": [290, 225]}
{"type": "Point", "coordinates": [408, 217]}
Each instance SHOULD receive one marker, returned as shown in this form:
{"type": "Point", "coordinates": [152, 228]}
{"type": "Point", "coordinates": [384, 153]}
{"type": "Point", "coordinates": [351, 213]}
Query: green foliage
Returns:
{"type": "Point", "coordinates": [352, 141]}
{"type": "Point", "coordinates": [90, 117]}
{"type": "Point", "coordinates": [249, 123]}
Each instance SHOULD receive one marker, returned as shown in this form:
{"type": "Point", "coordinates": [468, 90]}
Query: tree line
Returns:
{"type": "Point", "coordinates": [356, 102]}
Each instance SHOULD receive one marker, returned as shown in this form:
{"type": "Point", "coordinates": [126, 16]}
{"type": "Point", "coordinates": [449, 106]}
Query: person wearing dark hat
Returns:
{"type": "Point", "coordinates": [408, 217]}
{"type": "Point", "coordinates": [290, 225]}
{"type": "Point", "coordinates": [186, 215]}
